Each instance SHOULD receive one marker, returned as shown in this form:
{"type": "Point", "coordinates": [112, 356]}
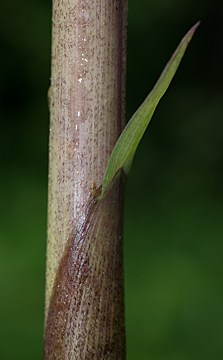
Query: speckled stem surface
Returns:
{"type": "Point", "coordinates": [84, 317]}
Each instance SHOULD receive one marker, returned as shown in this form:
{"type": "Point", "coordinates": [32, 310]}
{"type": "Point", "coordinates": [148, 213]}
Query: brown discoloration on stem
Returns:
{"type": "Point", "coordinates": [87, 298]}
{"type": "Point", "coordinates": [87, 101]}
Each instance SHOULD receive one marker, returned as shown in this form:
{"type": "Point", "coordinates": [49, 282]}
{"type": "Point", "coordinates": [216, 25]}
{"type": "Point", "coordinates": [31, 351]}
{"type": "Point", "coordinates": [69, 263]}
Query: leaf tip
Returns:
{"type": "Point", "coordinates": [193, 29]}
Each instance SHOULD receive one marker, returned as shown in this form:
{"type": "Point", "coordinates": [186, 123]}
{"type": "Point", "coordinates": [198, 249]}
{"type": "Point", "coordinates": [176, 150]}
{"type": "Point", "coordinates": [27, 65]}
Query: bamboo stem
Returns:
{"type": "Point", "coordinates": [84, 277]}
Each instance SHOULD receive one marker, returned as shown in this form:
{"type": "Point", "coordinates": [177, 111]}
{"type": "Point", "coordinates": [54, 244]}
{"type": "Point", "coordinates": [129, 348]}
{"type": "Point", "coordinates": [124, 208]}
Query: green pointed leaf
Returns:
{"type": "Point", "coordinates": [125, 148]}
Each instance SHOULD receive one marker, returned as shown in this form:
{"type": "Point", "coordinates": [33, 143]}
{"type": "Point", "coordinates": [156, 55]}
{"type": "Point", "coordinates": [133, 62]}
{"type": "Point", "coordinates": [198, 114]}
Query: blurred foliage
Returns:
{"type": "Point", "coordinates": [173, 219]}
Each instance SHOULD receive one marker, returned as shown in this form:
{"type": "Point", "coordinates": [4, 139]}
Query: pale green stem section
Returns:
{"type": "Point", "coordinates": [87, 102]}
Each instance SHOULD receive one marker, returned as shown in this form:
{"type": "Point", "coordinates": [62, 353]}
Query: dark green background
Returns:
{"type": "Point", "coordinates": [174, 212]}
